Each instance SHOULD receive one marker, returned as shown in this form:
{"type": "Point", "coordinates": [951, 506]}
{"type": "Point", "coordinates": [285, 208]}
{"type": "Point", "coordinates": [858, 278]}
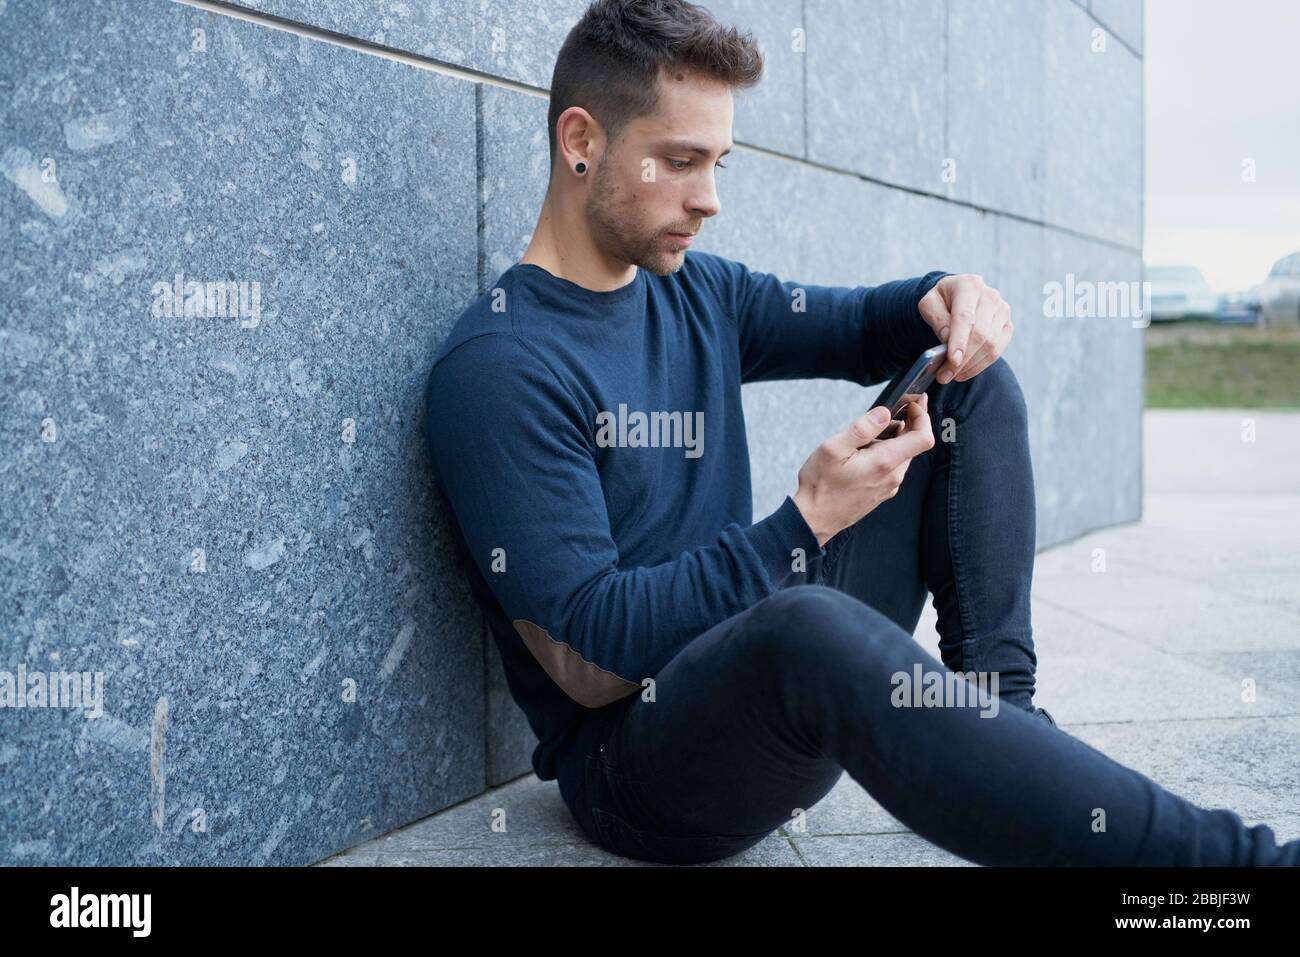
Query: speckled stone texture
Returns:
{"type": "Point", "coordinates": [876, 89]}
{"type": "Point", "coordinates": [511, 39]}
{"type": "Point", "coordinates": [371, 200]}
{"type": "Point", "coordinates": [771, 115]}
{"type": "Point", "coordinates": [996, 102]}
{"type": "Point", "coordinates": [232, 517]}
{"type": "Point", "coordinates": [1092, 129]}
{"type": "Point", "coordinates": [516, 40]}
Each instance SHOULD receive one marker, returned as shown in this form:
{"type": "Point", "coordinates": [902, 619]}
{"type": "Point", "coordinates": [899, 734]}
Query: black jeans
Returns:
{"type": "Point", "coordinates": [757, 718]}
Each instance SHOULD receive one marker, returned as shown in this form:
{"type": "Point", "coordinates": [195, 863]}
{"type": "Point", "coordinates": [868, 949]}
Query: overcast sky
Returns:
{"type": "Point", "coordinates": [1222, 86]}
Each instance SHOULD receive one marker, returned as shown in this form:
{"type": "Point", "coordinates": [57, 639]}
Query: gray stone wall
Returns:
{"type": "Point", "coordinates": [230, 517]}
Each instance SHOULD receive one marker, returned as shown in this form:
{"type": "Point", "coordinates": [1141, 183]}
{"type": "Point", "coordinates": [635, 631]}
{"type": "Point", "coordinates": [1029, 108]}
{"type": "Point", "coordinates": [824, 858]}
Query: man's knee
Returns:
{"type": "Point", "coordinates": [996, 390]}
{"type": "Point", "coordinates": [815, 630]}
{"type": "Point", "coordinates": [1006, 384]}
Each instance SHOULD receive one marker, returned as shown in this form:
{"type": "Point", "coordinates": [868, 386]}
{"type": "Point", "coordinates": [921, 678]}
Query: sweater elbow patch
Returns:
{"type": "Point", "coordinates": [585, 682]}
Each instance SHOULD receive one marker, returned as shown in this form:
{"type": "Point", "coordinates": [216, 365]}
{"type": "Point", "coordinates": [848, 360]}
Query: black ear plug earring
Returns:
{"type": "Point", "coordinates": [581, 168]}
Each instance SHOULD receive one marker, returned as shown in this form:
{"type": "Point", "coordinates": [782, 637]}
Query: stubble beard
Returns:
{"type": "Point", "coordinates": [609, 231]}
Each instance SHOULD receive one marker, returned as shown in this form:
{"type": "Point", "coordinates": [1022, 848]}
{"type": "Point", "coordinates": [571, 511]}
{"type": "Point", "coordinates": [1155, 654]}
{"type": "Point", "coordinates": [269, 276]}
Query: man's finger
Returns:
{"type": "Point", "coordinates": [993, 348]}
{"type": "Point", "coordinates": [978, 363]}
{"type": "Point", "coordinates": [918, 437]}
{"type": "Point", "coordinates": [981, 336]}
{"type": "Point", "coordinates": [935, 312]}
{"type": "Point", "coordinates": [918, 415]}
{"type": "Point", "coordinates": [965, 300]}
{"type": "Point", "coordinates": [972, 365]}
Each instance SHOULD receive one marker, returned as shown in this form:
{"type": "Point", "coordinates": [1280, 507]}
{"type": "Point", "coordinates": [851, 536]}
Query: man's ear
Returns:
{"type": "Point", "coordinates": [577, 129]}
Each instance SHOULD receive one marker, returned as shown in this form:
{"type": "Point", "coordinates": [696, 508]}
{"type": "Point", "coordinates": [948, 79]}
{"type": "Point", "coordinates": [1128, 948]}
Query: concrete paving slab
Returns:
{"type": "Point", "coordinates": [1249, 766]}
{"type": "Point", "coordinates": [848, 809]}
{"type": "Point", "coordinates": [1221, 451]}
{"type": "Point", "coordinates": [880, 850]}
{"type": "Point", "coordinates": [774, 851]}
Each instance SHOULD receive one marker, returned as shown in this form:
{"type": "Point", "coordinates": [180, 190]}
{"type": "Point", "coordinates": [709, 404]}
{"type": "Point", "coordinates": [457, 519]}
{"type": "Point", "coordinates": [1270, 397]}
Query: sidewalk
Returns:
{"type": "Point", "coordinates": [1145, 661]}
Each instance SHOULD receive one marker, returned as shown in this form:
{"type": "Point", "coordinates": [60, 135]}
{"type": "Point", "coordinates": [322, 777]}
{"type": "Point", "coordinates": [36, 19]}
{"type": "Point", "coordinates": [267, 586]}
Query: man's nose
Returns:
{"type": "Point", "coordinates": [706, 203]}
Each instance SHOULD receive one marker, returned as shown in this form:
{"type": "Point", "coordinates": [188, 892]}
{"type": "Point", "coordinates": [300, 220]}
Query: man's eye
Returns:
{"type": "Point", "coordinates": [686, 163]}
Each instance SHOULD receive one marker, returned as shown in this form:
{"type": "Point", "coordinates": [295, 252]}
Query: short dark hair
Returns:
{"type": "Point", "coordinates": [610, 61]}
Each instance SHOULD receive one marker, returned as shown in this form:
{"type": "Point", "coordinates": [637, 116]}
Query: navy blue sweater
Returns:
{"type": "Point", "coordinates": [592, 448]}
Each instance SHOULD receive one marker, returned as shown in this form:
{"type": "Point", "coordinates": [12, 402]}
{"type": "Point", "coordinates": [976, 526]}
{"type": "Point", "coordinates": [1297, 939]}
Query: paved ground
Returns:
{"type": "Point", "coordinates": [1145, 661]}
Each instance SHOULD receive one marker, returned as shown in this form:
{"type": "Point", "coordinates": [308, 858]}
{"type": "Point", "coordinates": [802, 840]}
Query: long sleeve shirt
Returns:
{"type": "Point", "coordinates": [591, 446]}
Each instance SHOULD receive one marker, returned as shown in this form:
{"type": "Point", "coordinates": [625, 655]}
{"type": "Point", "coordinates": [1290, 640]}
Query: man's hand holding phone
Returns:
{"type": "Point", "coordinates": [845, 478]}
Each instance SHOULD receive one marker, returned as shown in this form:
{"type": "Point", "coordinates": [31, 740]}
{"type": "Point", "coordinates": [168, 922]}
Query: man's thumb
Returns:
{"type": "Point", "coordinates": [866, 427]}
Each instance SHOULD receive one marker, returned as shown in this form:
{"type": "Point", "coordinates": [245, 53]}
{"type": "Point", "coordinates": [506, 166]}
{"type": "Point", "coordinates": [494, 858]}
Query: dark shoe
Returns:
{"type": "Point", "coordinates": [1045, 715]}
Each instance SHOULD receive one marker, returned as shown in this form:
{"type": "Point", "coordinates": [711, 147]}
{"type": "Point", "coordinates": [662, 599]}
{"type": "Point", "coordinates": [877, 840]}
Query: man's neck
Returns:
{"type": "Point", "coordinates": [562, 246]}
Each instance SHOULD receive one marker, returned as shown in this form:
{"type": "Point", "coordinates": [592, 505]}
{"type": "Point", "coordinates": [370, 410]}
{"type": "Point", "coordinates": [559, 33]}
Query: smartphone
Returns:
{"type": "Point", "coordinates": [907, 387]}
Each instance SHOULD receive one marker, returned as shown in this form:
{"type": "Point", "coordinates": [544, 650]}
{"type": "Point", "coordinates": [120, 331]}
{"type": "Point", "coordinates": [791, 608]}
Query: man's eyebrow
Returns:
{"type": "Point", "coordinates": [688, 147]}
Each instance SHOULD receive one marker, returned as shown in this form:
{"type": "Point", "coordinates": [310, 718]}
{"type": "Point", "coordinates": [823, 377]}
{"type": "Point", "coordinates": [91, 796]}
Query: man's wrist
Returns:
{"type": "Point", "coordinates": [806, 509]}
{"type": "Point", "coordinates": [927, 285]}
